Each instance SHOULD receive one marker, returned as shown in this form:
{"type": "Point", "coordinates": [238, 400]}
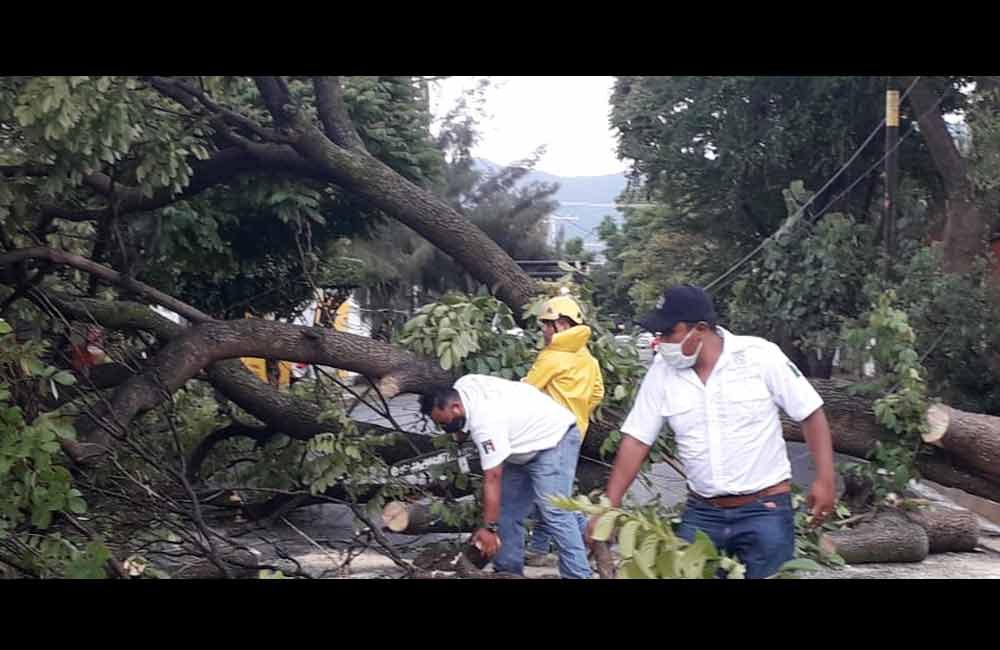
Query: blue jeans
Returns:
{"type": "Point", "coordinates": [527, 486]}
{"type": "Point", "coordinates": [761, 534]}
{"type": "Point", "coordinates": [541, 539]}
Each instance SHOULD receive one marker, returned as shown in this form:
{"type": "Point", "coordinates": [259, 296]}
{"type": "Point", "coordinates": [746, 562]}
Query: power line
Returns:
{"type": "Point", "coordinates": [875, 165]}
{"type": "Point", "coordinates": [794, 218]}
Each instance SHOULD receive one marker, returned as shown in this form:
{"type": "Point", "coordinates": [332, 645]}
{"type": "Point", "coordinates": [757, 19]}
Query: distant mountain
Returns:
{"type": "Point", "coordinates": [576, 189]}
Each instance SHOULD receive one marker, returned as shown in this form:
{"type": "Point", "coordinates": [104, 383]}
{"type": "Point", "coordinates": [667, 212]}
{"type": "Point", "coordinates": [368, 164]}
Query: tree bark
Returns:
{"type": "Point", "coordinates": [890, 537]}
{"type": "Point", "coordinates": [948, 531]}
{"type": "Point", "coordinates": [966, 224]}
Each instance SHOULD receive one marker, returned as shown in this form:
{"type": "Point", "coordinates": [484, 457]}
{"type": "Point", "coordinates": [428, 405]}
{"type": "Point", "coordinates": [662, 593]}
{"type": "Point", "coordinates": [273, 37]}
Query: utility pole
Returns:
{"type": "Point", "coordinates": [891, 172]}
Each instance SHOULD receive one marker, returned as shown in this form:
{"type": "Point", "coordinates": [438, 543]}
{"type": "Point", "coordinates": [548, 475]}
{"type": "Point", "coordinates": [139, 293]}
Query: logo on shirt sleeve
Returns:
{"type": "Point", "coordinates": [488, 447]}
{"type": "Point", "coordinates": [795, 370]}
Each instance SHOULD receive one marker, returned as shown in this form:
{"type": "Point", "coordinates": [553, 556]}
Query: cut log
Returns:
{"type": "Point", "coordinates": [971, 438]}
{"type": "Point", "coordinates": [416, 519]}
{"type": "Point", "coordinates": [890, 537]}
{"type": "Point", "coordinates": [948, 531]}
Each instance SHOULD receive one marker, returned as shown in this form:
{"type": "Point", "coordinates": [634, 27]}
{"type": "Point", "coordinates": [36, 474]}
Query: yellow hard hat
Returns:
{"type": "Point", "coordinates": [562, 306]}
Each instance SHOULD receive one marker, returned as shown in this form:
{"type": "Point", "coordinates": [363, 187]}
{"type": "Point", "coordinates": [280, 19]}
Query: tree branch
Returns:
{"type": "Point", "coordinates": [185, 94]}
{"type": "Point", "coordinates": [82, 263]}
{"type": "Point", "coordinates": [421, 210]}
{"type": "Point", "coordinates": [277, 99]}
{"type": "Point", "coordinates": [212, 341]}
{"type": "Point", "coordinates": [117, 314]}
{"type": "Point", "coordinates": [333, 113]}
{"type": "Point", "coordinates": [224, 166]}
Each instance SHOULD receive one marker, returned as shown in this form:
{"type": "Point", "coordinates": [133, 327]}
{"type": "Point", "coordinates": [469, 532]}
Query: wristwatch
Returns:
{"type": "Point", "coordinates": [492, 526]}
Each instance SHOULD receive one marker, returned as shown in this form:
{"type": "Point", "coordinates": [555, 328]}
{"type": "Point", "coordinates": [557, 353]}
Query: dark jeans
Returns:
{"type": "Point", "coordinates": [541, 539]}
{"type": "Point", "coordinates": [760, 534]}
{"type": "Point", "coordinates": [528, 486]}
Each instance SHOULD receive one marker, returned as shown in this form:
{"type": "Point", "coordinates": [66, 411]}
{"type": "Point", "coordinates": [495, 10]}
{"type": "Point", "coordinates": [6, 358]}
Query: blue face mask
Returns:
{"type": "Point", "coordinates": [675, 357]}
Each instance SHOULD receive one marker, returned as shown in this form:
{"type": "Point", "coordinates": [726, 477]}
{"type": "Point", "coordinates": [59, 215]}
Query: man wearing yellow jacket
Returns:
{"type": "Point", "coordinates": [569, 374]}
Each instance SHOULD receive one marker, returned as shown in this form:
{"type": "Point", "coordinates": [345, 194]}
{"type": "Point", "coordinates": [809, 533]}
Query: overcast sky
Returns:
{"type": "Point", "coordinates": [568, 114]}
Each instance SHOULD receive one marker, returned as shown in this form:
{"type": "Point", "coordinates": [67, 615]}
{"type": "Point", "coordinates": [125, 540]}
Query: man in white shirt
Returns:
{"type": "Point", "coordinates": [720, 394]}
{"type": "Point", "coordinates": [529, 446]}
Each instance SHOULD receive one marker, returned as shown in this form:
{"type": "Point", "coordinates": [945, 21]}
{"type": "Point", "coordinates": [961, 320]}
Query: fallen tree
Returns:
{"type": "Point", "coordinates": [289, 138]}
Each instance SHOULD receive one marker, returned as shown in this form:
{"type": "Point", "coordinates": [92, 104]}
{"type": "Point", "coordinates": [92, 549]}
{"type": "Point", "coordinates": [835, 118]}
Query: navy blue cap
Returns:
{"type": "Point", "coordinates": [683, 303]}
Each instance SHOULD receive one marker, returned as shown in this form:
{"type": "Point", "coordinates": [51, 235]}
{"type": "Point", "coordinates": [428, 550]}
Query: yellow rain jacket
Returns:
{"type": "Point", "coordinates": [567, 371]}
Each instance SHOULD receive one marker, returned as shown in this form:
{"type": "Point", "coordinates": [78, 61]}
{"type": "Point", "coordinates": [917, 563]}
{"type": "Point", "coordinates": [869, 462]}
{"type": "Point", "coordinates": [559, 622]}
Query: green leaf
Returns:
{"type": "Point", "coordinates": [41, 517]}
{"type": "Point", "coordinates": [692, 563]}
{"type": "Point", "coordinates": [64, 378]}
{"type": "Point", "coordinates": [645, 558]}
{"type": "Point", "coordinates": [665, 564]}
{"type": "Point", "coordinates": [619, 392]}
{"type": "Point", "coordinates": [5, 328]}
{"type": "Point", "coordinates": [629, 570]}
{"type": "Point", "coordinates": [605, 525]}
{"type": "Point", "coordinates": [626, 539]}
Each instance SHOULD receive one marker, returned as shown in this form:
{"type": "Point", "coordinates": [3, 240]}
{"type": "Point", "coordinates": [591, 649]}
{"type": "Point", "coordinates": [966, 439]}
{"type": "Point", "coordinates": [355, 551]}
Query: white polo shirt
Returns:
{"type": "Point", "coordinates": [506, 418]}
{"type": "Point", "coordinates": [728, 429]}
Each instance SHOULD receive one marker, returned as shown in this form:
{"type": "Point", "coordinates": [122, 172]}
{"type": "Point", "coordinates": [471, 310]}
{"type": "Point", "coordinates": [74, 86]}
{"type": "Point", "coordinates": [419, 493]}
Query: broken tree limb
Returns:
{"type": "Point", "coordinates": [889, 537]}
{"type": "Point", "coordinates": [948, 530]}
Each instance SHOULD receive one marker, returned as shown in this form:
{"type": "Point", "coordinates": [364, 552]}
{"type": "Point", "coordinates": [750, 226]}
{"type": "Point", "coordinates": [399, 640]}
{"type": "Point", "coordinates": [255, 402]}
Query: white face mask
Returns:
{"type": "Point", "coordinates": [675, 357]}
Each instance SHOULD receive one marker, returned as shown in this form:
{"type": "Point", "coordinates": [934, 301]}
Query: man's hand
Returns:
{"type": "Point", "coordinates": [821, 501]}
{"type": "Point", "coordinates": [822, 496]}
{"type": "Point", "coordinates": [487, 542]}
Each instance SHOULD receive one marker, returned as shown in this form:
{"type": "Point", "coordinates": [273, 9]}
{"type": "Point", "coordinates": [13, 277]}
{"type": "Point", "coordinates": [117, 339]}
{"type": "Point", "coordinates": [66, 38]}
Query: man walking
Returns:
{"type": "Point", "coordinates": [720, 393]}
{"type": "Point", "coordinates": [528, 446]}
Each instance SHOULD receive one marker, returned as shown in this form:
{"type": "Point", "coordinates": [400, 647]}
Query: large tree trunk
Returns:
{"type": "Point", "coordinates": [966, 224]}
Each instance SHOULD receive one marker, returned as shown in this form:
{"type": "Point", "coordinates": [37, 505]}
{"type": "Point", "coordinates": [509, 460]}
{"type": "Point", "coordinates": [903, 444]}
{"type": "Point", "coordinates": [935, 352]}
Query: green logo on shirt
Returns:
{"type": "Point", "coordinates": [794, 369]}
